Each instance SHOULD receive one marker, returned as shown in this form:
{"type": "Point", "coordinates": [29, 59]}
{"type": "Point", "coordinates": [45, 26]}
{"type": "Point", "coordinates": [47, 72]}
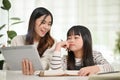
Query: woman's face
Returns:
{"type": "Point", "coordinates": [42, 26]}
{"type": "Point", "coordinates": [75, 43]}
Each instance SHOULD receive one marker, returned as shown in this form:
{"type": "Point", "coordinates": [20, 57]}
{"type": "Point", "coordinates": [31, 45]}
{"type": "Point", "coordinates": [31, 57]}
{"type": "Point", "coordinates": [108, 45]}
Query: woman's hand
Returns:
{"type": "Point", "coordinates": [27, 67]}
{"type": "Point", "coordinates": [88, 70]}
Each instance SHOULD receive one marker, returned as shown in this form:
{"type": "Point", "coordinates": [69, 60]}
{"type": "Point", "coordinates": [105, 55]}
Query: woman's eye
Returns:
{"type": "Point", "coordinates": [49, 24]}
{"type": "Point", "coordinates": [43, 22]}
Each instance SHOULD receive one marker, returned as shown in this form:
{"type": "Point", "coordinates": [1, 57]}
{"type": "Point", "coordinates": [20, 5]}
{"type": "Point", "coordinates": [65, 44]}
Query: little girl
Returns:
{"type": "Point", "coordinates": [80, 53]}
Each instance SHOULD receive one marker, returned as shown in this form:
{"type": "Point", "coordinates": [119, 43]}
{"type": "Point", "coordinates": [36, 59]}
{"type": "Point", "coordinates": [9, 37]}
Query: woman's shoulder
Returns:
{"type": "Point", "coordinates": [19, 37]}
{"type": "Point", "coordinates": [18, 40]}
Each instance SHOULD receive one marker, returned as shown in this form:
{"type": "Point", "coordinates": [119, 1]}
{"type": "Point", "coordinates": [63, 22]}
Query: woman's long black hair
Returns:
{"type": "Point", "coordinates": [87, 58]}
{"type": "Point", "coordinates": [45, 42]}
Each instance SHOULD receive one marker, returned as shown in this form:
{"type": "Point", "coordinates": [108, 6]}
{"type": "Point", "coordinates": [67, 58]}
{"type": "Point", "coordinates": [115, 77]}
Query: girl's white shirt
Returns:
{"type": "Point", "coordinates": [78, 61]}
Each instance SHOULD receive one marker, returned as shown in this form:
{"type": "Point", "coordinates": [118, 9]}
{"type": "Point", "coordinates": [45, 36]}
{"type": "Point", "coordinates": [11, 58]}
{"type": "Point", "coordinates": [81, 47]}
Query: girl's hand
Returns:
{"type": "Point", "coordinates": [88, 70]}
{"type": "Point", "coordinates": [62, 44]}
{"type": "Point", "coordinates": [27, 67]}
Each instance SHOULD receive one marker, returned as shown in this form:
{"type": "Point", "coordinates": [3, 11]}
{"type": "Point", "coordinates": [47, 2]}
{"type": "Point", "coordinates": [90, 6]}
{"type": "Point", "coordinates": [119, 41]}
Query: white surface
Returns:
{"type": "Point", "coordinates": [2, 75]}
{"type": "Point", "coordinates": [15, 55]}
{"type": "Point", "coordinates": [1, 57]}
{"type": "Point", "coordinates": [17, 75]}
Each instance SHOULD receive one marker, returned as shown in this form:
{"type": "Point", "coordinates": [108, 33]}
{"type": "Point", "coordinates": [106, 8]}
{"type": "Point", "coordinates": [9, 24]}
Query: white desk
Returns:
{"type": "Point", "coordinates": [17, 75]}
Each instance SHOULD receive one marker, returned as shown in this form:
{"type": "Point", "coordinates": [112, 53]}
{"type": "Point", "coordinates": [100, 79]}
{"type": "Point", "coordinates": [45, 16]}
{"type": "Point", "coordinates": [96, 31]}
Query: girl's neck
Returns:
{"type": "Point", "coordinates": [78, 54]}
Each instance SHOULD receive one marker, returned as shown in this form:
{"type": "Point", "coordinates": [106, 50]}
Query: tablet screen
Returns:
{"type": "Point", "coordinates": [14, 56]}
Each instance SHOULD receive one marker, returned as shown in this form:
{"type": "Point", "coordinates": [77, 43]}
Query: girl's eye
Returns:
{"type": "Point", "coordinates": [69, 38]}
{"type": "Point", "coordinates": [77, 37]}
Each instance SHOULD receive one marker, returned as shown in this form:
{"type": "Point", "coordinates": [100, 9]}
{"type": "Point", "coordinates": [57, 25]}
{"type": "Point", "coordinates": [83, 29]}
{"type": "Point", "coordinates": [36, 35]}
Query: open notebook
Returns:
{"type": "Point", "coordinates": [14, 56]}
{"type": "Point", "coordinates": [51, 73]}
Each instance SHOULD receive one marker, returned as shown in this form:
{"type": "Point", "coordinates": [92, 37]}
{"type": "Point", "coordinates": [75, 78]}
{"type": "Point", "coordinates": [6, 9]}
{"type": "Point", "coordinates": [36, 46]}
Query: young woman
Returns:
{"type": "Point", "coordinates": [80, 53]}
{"type": "Point", "coordinates": [38, 34]}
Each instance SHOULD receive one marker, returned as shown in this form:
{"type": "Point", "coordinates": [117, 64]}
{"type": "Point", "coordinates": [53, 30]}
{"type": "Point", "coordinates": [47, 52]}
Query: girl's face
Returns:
{"type": "Point", "coordinates": [75, 43]}
{"type": "Point", "coordinates": [42, 26]}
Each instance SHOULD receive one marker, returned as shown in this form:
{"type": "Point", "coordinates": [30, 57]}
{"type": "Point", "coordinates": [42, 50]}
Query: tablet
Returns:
{"type": "Point", "coordinates": [14, 56]}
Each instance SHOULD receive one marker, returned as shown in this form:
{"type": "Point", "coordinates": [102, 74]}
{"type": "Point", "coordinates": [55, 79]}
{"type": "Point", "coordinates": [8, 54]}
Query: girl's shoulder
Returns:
{"type": "Point", "coordinates": [96, 53]}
